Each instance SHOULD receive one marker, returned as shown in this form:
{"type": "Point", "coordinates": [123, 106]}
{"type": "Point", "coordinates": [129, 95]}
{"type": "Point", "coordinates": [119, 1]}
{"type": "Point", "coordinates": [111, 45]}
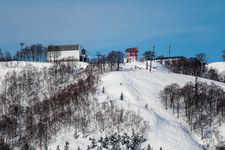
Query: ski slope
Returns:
{"type": "Point", "coordinates": [140, 88]}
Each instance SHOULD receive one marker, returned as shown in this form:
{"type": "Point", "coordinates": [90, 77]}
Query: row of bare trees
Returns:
{"type": "Point", "coordinates": [5, 56]}
{"type": "Point", "coordinates": [114, 59]}
{"type": "Point", "coordinates": [149, 56]}
{"type": "Point", "coordinates": [24, 103]}
{"type": "Point", "coordinates": [188, 66]}
{"type": "Point", "coordinates": [201, 103]}
{"type": "Point", "coordinates": [111, 62]}
{"type": "Point", "coordinates": [194, 67]}
{"type": "Point", "coordinates": [35, 52]}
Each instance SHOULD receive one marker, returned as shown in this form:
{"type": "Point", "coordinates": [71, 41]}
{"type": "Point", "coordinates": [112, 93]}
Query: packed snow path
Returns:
{"type": "Point", "coordinates": [141, 94]}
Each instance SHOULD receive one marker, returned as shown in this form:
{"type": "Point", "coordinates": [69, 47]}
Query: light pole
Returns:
{"type": "Point", "coordinates": [153, 50]}
{"type": "Point", "coordinates": [169, 58]}
{"type": "Point", "coordinates": [152, 57]}
{"type": "Point", "coordinates": [21, 46]}
{"type": "Point", "coordinates": [98, 54]}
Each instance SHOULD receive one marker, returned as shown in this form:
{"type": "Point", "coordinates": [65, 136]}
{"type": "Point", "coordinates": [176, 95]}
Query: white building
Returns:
{"type": "Point", "coordinates": [66, 53]}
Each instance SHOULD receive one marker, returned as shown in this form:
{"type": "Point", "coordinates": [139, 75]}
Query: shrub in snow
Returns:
{"type": "Point", "coordinates": [149, 147]}
{"type": "Point", "coordinates": [3, 145]}
{"type": "Point", "coordinates": [103, 89]}
{"type": "Point", "coordinates": [93, 143]}
{"type": "Point", "coordinates": [146, 106]}
{"type": "Point", "coordinates": [121, 96]}
{"type": "Point", "coordinates": [78, 148]}
{"type": "Point", "coordinates": [213, 74]}
{"type": "Point", "coordinates": [76, 136]}
{"type": "Point", "coordinates": [220, 147]}
{"type": "Point", "coordinates": [58, 148]}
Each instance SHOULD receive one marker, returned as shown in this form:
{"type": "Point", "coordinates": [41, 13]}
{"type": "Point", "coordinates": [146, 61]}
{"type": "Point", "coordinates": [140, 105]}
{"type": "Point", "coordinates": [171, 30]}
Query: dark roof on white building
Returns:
{"type": "Point", "coordinates": [64, 47]}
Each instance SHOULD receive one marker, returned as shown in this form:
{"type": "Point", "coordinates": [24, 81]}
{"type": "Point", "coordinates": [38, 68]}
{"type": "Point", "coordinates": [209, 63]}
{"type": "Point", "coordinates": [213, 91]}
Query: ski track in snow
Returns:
{"type": "Point", "coordinates": [141, 87]}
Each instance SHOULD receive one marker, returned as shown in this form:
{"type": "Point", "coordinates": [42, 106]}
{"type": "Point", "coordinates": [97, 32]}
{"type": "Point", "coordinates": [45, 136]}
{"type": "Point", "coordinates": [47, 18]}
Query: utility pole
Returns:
{"type": "Point", "coordinates": [169, 58]}
{"type": "Point", "coordinates": [152, 57]}
{"type": "Point", "coordinates": [153, 50]}
{"type": "Point", "coordinates": [146, 59]}
{"type": "Point", "coordinates": [98, 55]}
{"type": "Point", "coordinates": [21, 47]}
{"type": "Point", "coordinates": [118, 60]}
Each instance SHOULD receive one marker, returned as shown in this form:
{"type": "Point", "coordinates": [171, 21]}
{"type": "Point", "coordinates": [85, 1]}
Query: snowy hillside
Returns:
{"type": "Point", "coordinates": [141, 93]}
{"type": "Point", "coordinates": [220, 66]}
{"type": "Point", "coordinates": [19, 65]}
{"type": "Point", "coordinates": [140, 89]}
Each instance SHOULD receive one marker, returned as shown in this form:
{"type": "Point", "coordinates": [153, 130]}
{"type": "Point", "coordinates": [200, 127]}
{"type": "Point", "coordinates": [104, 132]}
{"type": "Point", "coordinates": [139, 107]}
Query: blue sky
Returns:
{"type": "Point", "coordinates": [190, 27]}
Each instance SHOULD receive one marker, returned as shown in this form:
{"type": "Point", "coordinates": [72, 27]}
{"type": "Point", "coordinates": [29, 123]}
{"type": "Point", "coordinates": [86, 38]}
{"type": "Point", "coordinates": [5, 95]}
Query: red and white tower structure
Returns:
{"type": "Point", "coordinates": [131, 54]}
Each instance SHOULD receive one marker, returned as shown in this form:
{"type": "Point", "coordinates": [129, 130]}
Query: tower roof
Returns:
{"type": "Point", "coordinates": [134, 49]}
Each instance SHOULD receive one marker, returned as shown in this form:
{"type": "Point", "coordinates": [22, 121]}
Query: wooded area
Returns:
{"type": "Point", "coordinates": [201, 103]}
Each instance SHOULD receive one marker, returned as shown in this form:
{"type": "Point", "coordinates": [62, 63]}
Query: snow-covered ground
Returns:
{"type": "Point", "coordinates": [141, 88]}
{"type": "Point", "coordinates": [220, 66]}
{"type": "Point", "coordinates": [19, 65]}
{"type": "Point", "coordinates": [141, 94]}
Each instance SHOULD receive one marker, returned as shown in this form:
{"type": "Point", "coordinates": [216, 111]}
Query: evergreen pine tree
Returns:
{"type": "Point", "coordinates": [100, 140]}
{"type": "Point", "coordinates": [58, 148]}
{"type": "Point", "coordinates": [105, 142]}
{"type": "Point", "coordinates": [149, 147]}
{"type": "Point", "coordinates": [88, 147]}
{"type": "Point", "coordinates": [94, 143]}
{"type": "Point", "coordinates": [66, 147]}
{"type": "Point", "coordinates": [115, 142]}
